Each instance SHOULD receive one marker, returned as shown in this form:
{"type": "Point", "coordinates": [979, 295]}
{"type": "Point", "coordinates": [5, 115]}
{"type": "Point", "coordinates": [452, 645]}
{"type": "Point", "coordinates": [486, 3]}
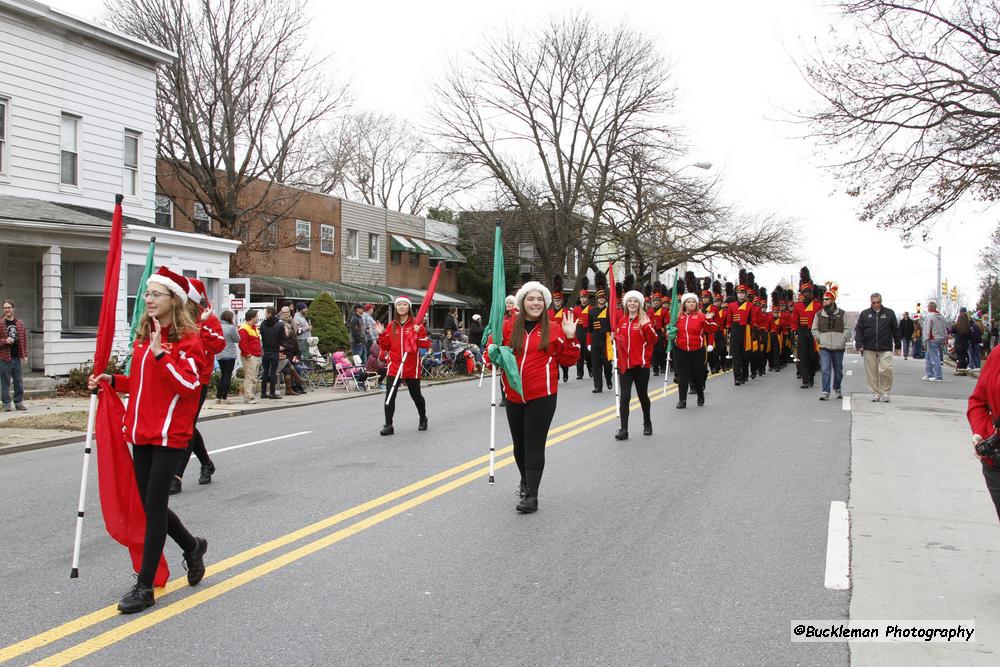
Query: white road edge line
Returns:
{"type": "Point", "coordinates": [846, 405]}
{"type": "Point", "coordinates": [258, 442]}
{"type": "Point", "coordinates": [838, 548]}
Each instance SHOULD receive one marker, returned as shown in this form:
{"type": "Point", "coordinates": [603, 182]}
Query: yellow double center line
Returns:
{"type": "Point", "coordinates": [202, 595]}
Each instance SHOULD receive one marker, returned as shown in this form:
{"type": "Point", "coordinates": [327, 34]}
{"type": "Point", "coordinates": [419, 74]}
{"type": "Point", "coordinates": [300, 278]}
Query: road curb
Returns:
{"type": "Point", "coordinates": [69, 440]}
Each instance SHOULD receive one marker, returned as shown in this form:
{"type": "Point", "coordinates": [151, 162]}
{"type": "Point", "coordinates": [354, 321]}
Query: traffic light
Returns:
{"type": "Point", "coordinates": [954, 294]}
{"type": "Point", "coordinates": [944, 287]}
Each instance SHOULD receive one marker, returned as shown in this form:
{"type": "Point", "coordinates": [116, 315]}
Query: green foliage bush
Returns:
{"type": "Point", "coordinates": [328, 324]}
{"type": "Point", "coordinates": [75, 383]}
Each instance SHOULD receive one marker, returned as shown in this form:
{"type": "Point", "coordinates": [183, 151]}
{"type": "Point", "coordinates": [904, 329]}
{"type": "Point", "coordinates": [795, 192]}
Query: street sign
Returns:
{"type": "Point", "coordinates": [236, 304]}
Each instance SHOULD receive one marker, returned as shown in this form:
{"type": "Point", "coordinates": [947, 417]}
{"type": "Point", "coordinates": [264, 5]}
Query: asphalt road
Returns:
{"type": "Point", "coordinates": [697, 545]}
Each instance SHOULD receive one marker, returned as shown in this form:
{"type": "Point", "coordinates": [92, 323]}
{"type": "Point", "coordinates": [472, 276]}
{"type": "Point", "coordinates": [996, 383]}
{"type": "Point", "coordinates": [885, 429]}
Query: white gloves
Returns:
{"type": "Point", "coordinates": [710, 348]}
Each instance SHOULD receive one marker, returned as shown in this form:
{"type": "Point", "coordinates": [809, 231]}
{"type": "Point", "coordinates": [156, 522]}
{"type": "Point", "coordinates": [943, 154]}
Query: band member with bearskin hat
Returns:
{"type": "Point", "coordinates": [582, 315]}
{"type": "Point", "coordinates": [714, 317]}
{"type": "Point", "coordinates": [805, 310]}
{"type": "Point", "coordinates": [738, 315]}
{"type": "Point", "coordinates": [777, 330]}
{"type": "Point", "coordinates": [600, 328]}
{"type": "Point", "coordinates": [635, 338]}
{"type": "Point", "coordinates": [788, 320]}
{"type": "Point", "coordinates": [557, 311]}
{"type": "Point", "coordinates": [660, 318]}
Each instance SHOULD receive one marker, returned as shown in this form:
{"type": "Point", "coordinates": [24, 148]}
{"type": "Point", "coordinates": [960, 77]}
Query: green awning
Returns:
{"type": "Point", "coordinates": [459, 257]}
{"type": "Point", "coordinates": [401, 243]}
{"type": "Point", "coordinates": [441, 253]}
{"type": "Point", "coordinates": [422, 246]}
{"type": "Point", "coordinates": [294, 288]}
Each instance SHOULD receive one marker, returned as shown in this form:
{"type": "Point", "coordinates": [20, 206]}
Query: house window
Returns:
{"type": "Point", "coordinates": [396, 257]}
{"type": "Point", "coordinates": [374, 240]}
{"type": "Point", "coordinates": [130, 163]}
{"type": "Point", "coordinates": [303, 234]}
{"type": "Point", "coordinates": [526, 256]}
{"type": "Point", "coordinates": [69, 139]}
{"type": "Point", "coordinates": [201, 219]}
{"type": "Point", "coordinates": [83, 284]}
{"type": "Point", "coordinates": [352, 244]}
{"type": "Point", "coordinates": [133, 288]}
{"type": "Point", "coordinates": [164, 212]}
{"type": "Point", "coordinates": [414, 259]}
{"type": "Point", "coordinates": [269, 234]}
{"type": "Point", "coordinates": [4, 103]}
{"type": "Point", "coordinates": [326, 237]}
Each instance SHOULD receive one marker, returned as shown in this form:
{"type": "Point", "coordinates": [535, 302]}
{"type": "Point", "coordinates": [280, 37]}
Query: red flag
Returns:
{"type": "Point", "coordinates": [612, 298]}
{"type": "Point", "coordinates": [411, 345]}
{"type": "Point", "coordinates": [120, 503]}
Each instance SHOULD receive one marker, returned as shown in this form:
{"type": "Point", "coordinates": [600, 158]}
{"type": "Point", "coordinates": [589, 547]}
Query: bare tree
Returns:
{"type": "Point", "coordinates": [989, 256]}
{"type": "Point", "coordinates": [238, 109]}
{"type": "Point", "coordinates": [385, 162]}
{"type": "Point", "coordinates": [547, 115]}
{"type": "Point", "coordinates": [911, 109]}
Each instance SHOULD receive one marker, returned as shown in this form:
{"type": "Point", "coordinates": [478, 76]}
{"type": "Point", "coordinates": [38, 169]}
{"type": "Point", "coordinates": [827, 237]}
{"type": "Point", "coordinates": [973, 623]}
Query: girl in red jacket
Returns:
{"type": "Point", "coordinates": [635, 337]}
{"type": "Point", "coordinates": [984, 418]}
{"type": "Point", "coordinates": [212, 342]}
{"type": "Point", "coordinates": [159, 420]}
{"type": "Point", "coordinates": [689, 353]}
{"type": "Point", "coordinates": [403, 335]}
{"type": "Point", "coordinates": [540, 348]}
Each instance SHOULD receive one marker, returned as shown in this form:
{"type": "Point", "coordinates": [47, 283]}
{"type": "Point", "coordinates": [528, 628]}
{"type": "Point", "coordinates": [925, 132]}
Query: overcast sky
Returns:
{"type": "Point", "coordinates": [734, 66]}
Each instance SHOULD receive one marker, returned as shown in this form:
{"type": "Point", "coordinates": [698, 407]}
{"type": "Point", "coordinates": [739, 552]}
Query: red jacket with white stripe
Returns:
{"type": "Point", "coordinates": [212, 342]}
{"type": "Point", "coordinates": [635, 344]}
{"type": "Point", "coordinates": [395, 340]}
{"type": "Point", "coordinates": [539, 368]}
{"type": "Point", "coordinates": [690, 329]}
{"type": "Point", "coordinates": [163, 392]}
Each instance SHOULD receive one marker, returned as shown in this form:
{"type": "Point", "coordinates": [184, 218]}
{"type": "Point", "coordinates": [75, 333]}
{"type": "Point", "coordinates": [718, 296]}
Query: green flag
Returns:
{"type": "Point", "coordinates": [500, 355]}
{"type": "Point", "coordinates": [139, 309]}
{"type": "Point", "coordinates": [675, 308]}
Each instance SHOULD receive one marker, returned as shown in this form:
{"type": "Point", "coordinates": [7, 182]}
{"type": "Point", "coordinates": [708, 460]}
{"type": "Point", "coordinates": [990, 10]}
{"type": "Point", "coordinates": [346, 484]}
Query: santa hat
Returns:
{"type": "Point", "coordinates": [634, 294]}
{"type": "Point", "coordinates": [532, 286]}
{"type": "Point", "coordinates": [197, 292]}
{"type": "Point", "coordinates": [688, 295]}
{"type": "Point", "coordinates": [402, 298]}
{"type": "Point", "coordinates": [176, 283]}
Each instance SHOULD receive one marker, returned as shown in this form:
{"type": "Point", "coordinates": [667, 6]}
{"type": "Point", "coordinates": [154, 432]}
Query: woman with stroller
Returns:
{"type": "Point", "coordinates": [401, 339]}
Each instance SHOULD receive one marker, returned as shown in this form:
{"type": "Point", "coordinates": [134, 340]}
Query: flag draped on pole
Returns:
{"type": "Point", "coordinates": [613, 323]}
{"type": "Point", "coordinates": [675, 308]}
{"type": "Point", "coordinates": [410, 343]}
{"type": "Point", "coordinates": [121, 506]}
{"type": "Point", "coordinates": [501, 355]}
{"type": "Point", "coordinates": [139, 310]}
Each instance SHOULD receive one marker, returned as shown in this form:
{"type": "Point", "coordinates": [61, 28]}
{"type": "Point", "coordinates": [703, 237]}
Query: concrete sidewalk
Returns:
{"type": "Point", "coordinates": [14, 440]}
{"type": "Point", "coordinates": [924, 534]}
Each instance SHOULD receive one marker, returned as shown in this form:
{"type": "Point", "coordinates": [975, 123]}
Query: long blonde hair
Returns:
{"type": "Point", "coordinates": [180, 321]}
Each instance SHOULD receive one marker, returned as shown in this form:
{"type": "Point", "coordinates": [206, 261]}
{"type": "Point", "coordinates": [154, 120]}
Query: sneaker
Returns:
{"type": "Point", "coordinates": [936, 380]}
{"type": "Point", "coordinates": [194, 561]}
{"type": "Point", "coordinates": [206, 473]}
{"type": "Point", "coordinates": [19, 406]}
{"type": "Point", "coordinates": [924, 377]}
{"type": "Point", "coordinates": [175, 486]}
{"type": "Point", "coordinates": [528, 505]}
{"type": "Point", "coordinates": [7, 407]}
{"type": "Point", "coordinates": [218, 401]}
{"type": "Point", "coordinates": [138, 598]}
{"type": "Point", "coordinates": [885, 398]}
{"type": "Point", "coordinates": [840, 395]}
{"type": "Point", "coordinates": [250, 399]}
{"type": "Point", "coordinates": [387, 430]}
{"type": "Point", "coordinates": [875, 398]}
{"type": "Point", "coordinates": [824, 397]}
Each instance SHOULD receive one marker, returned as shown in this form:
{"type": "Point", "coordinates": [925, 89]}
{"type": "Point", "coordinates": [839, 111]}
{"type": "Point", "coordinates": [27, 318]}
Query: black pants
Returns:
{"type": "Point", "coordinates": [197, 444]}
{"type": "Point", "coordinates": [808, 357]}
{"type": "Point", "coordinates": [723, 350]}
{"type": "Point", "coordinates": [413, 386]}
{"type": "Point", "coordinates": [775, 355]}
{"type": "Point", "coordinates": [584, 359]}
{"type": "Point", "coordinates": [992, 476]}
{"type": "Point", "coordinates": [599, 364]}
{"type": "Point", "coordinates": [529, 429]}
{"type": "Point", "coordinates": [741, 358]}
{"type": "Point", "coordinates": [689, 368]}
{"type": "Point", "coordinates": [269, 364]}
{"type": "Point", "coordinates": [961, 353]}
{"type": "Point", "coordinates": [660, 356]}
{"type": "Point", "coordinates": [226, 377]}
{"type": "Point", "coordinates": [154, 469]}
{"type": "Point", "coordinates": [640, 377]}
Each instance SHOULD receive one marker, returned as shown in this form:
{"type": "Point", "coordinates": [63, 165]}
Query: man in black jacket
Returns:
{"type": "Point", "coordinates": [877, 336]}
{"type": "Point", "coordinates": [272, 336]}
{"type": "Point", "coordinates": [906, 333]}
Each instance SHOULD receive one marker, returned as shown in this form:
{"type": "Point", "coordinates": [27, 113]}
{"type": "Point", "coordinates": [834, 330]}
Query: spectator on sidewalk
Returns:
{"type": "Point", "coordinates": [935, 334]}
{"type": "Point", "coordinates": [983, 414]}
{"type": "Point", "coordinates": [994, 334]}
{"type": "Point", "coordinates": [830, 331]}
{"type": "Point", "coordinates": [227, 358]}
{"type": "Point", "coordinates": [476, 330]}
{"type": "Point", "coordinates": [975, 342]}
{"type": "Point", "coordinates": [376, 364]}
{"type": "Point", "coordinates": [876, 336]}
{"type": "Point", "coordinates": [962, 335]}
{"type": "Point", "coordinates": [251, 352]}
{"type": "Point", "coordinates": [272, 338]}
{"type": "Point", "coordinates": [906, 334]}
{"type": "Point", "coordinates": [13, 358]}
{"type": "Point", "coordinates": [302, 326]}
{"type": "Point", "coordinates": [371, 334]}
{"type": "Point", "coordinates": [356, 328]}
{"type": "Point", "coordinates": [918, 338]}
{"type": "Point", "coordinates": [451, 321]}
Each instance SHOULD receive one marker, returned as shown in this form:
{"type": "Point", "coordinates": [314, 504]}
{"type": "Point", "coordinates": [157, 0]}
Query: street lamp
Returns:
{"type": "Point", "coordinates": [938, 255]}
{"type": "Point", "coordinates": [655, 273]}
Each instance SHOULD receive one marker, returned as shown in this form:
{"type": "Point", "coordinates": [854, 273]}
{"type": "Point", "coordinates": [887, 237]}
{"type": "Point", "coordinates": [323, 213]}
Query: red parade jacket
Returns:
{"type": "Point", "coordinates": [690, 330]}
{"type": "Point", "coordinates": [539, 368]}
{"type": "Point", "coordinates": [804, 313]}
{"type": "Point", "coordinates": [984, 403]}
{"type": "Point", "coordinates": [212, 342]}
{"type": "Point", "coordinates": [635, 344]}
{"type": "Point", "coordinates": [395, 340]}
{"type": "Point", "coordinates": [163, 392]}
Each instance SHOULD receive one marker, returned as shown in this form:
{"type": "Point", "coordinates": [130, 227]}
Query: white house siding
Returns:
{"type": "Point", "coordinates": [366, 220]}
{"type": "Point", "coordinates": [43, 73]}
{"type": "Point", "coordinates": [405, 224]}
{"type": "Point", "coordinates": [442, 232]}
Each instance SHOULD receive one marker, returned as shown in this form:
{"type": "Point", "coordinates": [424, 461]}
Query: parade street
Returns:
{"type": "Point", "coordinates": [331, 545]}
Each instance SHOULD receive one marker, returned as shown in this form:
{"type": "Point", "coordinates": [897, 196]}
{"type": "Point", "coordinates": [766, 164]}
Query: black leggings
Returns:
{"type": "Point", "coordinates": [529, 429]}
{"type": "Point", "coordinates": [690, 370]}
{"type": "Point", "coordinates": [413, 385]}
{"type": "Point", "coordinates": [640, 377]}
{"type": "Point", "coordinates": [225, 380]}
{"type": "Point", "coordinates": [197, 443]}
{"type": "Point", "coordinates": [270, 374]}
{"type": "Point", "coordinates": [992, 476]}
{"type": "Point", "coordinates": [154, 469]}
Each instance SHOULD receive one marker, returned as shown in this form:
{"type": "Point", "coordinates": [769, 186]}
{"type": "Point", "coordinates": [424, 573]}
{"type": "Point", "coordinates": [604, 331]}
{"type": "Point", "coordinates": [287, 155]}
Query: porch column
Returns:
{"type": "Point", "coordinates": [51, 301]}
